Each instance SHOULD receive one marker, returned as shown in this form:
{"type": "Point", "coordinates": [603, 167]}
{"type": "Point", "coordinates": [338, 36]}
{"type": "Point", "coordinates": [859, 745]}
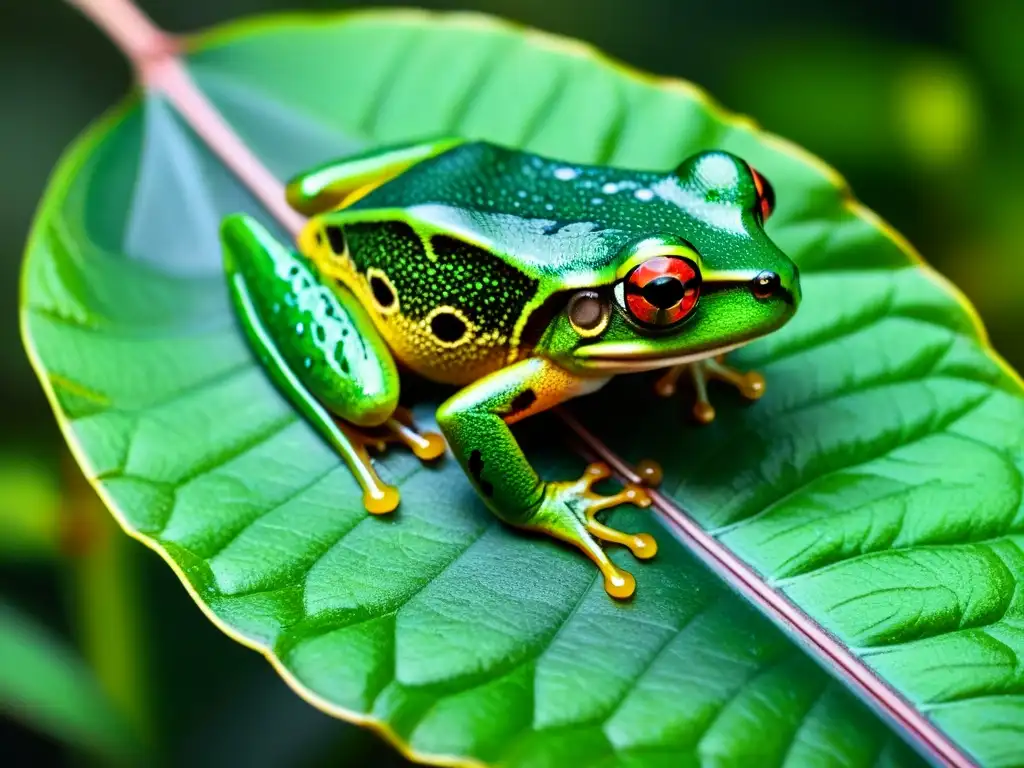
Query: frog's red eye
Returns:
{"type": "Point", "coordinates": [765, 195]}
{"type": "Point", "coordinates": [663, 290]}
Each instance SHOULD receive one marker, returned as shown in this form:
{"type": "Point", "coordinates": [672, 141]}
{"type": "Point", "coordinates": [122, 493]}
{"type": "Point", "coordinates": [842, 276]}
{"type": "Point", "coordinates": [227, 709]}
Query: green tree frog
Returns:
{"type": "Point", "coordinates": [521, 280]}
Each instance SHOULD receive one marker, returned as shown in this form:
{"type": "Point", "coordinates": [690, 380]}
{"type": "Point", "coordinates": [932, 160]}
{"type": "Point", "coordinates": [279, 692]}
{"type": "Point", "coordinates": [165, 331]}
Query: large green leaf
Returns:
{"type": "Point", "coordinates": [870, 487]}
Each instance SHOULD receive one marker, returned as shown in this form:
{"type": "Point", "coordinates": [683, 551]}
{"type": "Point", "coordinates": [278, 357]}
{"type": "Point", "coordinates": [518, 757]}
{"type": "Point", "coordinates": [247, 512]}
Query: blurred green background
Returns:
{"type": "Point", "coordinates": [920, 106]}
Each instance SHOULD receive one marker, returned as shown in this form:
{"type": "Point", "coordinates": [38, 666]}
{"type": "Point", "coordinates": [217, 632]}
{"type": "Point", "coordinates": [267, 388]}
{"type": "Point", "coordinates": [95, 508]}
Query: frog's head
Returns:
{"type": "Point", "coordinates": [709, 280]}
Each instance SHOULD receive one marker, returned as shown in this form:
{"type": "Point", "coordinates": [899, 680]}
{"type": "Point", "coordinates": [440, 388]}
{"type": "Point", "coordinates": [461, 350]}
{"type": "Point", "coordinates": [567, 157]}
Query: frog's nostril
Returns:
{"type": "Point", "coordinates": [766, 285]}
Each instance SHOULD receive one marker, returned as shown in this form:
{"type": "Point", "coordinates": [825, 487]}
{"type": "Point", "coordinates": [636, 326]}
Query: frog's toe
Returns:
{"type": "Point", "coordinates": [569, 512]}
{"type": "Point", "coordinates": [399, 428]}
{"type": "Point", "coordinates": [379, 498]}
{"type": "Point", "coordinates": [426, 446]}
{"type": "Point", "coordinates": [668, 382]}
{"type": "Point", "coordinates": [750, 384]}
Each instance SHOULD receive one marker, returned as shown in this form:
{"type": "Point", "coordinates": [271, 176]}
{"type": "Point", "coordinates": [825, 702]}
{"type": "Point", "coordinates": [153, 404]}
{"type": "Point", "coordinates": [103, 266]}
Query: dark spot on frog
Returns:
{"type": "Point", "coordinates": [321, 334]}
{"type": "Point", "coordinates": [382, 292]}
{"type": "Point", "coordinates": [523, 401]}
{"type": "Point", "coordinates": [340, 358]}
{"type": "Point", "coordinates": [336, 238]}
{"type": "Point", "coordinates": [448, 327]}
{"type": "Point", "coordinates": [476, 468]}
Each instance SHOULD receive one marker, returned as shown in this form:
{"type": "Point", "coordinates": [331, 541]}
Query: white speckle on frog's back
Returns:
{"type": "Point", "coordinates": [566, 174]}
{"type": "Point", "coordinates": [644, 195]}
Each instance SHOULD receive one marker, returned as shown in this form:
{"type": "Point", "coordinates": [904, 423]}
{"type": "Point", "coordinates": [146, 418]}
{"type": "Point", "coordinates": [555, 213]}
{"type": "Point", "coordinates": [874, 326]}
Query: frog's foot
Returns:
{"type": "Point", "coordinates": [378, 497]}
{"type": "Point", "coordinates": [569, 511]}
{"type": "Point", "coordinates": [749, 383]}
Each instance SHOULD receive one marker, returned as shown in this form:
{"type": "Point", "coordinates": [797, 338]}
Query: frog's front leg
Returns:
{"type": "Point", "coordinates": [321, 350]}
{"type": "Point", "coordinates": [475, 422]}
{"type": "Point", "coordinates": [749, 383]}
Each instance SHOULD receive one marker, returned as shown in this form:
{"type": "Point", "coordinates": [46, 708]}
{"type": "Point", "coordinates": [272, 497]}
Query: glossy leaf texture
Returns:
{"type": "Point", "coordinates": [876, 485]}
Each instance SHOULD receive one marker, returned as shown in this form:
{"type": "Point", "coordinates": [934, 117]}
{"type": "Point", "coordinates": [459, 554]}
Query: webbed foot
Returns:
{"type": "Point", "coordinates": [569, 511]}
{"type": "Point", "coordinates": [379, 498]}
{"type": "Point", "coordinates": [749, 383]}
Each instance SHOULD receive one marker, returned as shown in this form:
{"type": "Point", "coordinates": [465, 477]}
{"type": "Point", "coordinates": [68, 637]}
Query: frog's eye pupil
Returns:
{"type": "Point", "coordinates": [662, 291]}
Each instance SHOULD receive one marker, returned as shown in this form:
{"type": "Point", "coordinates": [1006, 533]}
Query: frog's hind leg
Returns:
{"type": "Point", "coordinates": [750, 384]}
{"type": "Point", "coordinates": [319, 347]}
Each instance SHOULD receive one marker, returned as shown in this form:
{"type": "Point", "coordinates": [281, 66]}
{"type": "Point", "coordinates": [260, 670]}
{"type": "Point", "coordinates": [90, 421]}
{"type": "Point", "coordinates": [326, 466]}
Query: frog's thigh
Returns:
{"type": "Point", "coordinates": [318, 343]}
{"type": "Point", "coordinates": [475, 422]}
{"type": "Point", "coordinates": [340, 182]}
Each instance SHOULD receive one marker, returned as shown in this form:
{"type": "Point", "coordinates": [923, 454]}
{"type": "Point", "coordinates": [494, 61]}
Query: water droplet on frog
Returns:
{"type": "Point", "coordinates": [644, 195]}
{"type": "Point", "coordinates": [566, 174]}
{"type": "Point", "coordinates": [299, 328]}
{"type": "Point", "coordinates": [610, 188]}
{"type": "Point", "coordinates": [597, 201]}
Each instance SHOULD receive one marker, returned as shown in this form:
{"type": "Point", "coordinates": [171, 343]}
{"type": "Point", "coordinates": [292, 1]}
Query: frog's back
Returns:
{"type": "Point", "coordinates": [551, 215]}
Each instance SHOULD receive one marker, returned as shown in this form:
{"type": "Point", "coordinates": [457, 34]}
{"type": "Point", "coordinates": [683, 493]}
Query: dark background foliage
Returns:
{"type": "Point", "coordinates": [918, 104]}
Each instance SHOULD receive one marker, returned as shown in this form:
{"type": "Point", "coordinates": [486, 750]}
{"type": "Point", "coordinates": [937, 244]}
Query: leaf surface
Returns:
{"type": "Point", "coordinates": [876, 486]}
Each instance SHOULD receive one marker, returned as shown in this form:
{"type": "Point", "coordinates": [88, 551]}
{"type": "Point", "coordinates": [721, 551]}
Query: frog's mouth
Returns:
{"type": "Point", "coordinates": [630, 357]}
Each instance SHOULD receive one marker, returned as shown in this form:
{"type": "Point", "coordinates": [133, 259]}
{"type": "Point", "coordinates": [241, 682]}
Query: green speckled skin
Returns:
{"type": "Point", "coordinates": [323, 335]}
{"type": "Point", "coordinates": [469, 259]}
